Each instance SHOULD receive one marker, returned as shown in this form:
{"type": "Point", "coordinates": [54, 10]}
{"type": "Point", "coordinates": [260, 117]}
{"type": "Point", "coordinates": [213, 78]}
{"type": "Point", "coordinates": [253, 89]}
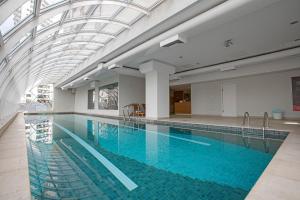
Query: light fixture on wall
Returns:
{"type": "Point", "coordinates": [175, 77]}
{"type": "Point", "coordinates": [227, 68]}
{"type": "Point", "coordinates": [114, 66]}
{"type": "Point", "coordinates": [176, 39]}
{"type": "Point", "coordinates": [86, 78]}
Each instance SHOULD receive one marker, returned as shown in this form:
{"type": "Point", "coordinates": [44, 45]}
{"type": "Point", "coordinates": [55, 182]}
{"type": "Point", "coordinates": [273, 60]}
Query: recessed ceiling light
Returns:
{"type": "Point", "coordinates": [294, 22]}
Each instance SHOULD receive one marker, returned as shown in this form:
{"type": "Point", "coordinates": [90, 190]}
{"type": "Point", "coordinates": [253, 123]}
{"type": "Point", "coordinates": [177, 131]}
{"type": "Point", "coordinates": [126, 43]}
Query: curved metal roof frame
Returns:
{"type": "Point", "coordinates": [27, 50]}
{"type": "Point", "coordinates": [56, 27]}
{"type": "Point", "coordinates": [42, 53]}
{"type": "Point", "coordinates": [21, 47]}
{"type": "Point", "coordinates": [54, 63]}
{"type": "Point", "coordinates": [54, 60]}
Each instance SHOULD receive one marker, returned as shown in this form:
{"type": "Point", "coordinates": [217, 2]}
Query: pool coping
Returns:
{"type": "Point", "coordinates": [14, 172]}
{"type": "Point", "coordinates": [281, 178]}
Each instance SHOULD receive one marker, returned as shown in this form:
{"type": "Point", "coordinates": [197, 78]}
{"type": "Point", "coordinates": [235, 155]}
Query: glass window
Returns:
{"type": "Point", "coordinates": [49, 22]}
{"type": "Point", "coordinates": [48, 3]}
{"type": "Point", "coordinates": [91, 99]}
{"type": "Point", "coordinates": [108, 97]}
{"type": "Point", "coordinates": [17, 16]}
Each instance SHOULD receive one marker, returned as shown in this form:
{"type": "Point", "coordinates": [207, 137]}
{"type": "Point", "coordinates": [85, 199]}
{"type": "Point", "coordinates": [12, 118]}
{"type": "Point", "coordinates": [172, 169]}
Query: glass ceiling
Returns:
{"type": "Point", "coordinates": [68, 30]}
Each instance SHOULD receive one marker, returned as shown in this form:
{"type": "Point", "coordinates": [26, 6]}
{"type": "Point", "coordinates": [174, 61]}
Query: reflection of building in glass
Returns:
{"type": "Point", "coordinates": [108, 97]}
{"type": "Point", "coordinates": [41, 94]}
{"type": "Point", "coordinates": [23, 12]}
{"type": "Point", "coordinates": [40, 131]}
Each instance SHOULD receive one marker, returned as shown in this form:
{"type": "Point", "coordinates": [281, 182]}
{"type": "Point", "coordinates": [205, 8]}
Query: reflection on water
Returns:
{"type": "Point", "coordinates": [159, 159]}
{"type": "Point", "coordinates": [39, 129]}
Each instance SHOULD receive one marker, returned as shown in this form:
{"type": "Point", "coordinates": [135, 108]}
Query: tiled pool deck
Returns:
{"type": "Point", "coordinates": [280, 180]}
{"type": "Point", "coordinates": [14, 177]}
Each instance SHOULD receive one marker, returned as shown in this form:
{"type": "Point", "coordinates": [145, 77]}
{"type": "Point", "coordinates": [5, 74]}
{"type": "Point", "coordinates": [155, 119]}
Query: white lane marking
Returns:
{"type": "Point", "coordinates": [171, 136]}
{"type": "Point", "coordinates": [127, 182]}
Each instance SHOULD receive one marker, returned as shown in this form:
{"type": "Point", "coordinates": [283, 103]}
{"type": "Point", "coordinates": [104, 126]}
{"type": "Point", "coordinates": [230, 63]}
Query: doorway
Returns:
{"type": "Point", "coordinates": [180, 99]}
{"type": "Point", "coordinates": [229, 100]}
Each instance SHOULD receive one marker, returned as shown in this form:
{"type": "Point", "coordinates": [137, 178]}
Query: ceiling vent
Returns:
{"type": "Point", "coordinates": [114, 66]}
{"type": "Point", "coordinates": [176, 39]}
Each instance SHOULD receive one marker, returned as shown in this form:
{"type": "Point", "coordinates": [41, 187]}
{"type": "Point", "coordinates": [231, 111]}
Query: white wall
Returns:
{"type": "Point", "coordinates": [63, 100]}
{"type": "Point", "coordinates": [131, 90]}
{"type": "Point", "coordinates": [255, 94]}
{"type": "Point", "coordinates": [206, 98]}
{"type": "Point", "coordinates": [81, 98]}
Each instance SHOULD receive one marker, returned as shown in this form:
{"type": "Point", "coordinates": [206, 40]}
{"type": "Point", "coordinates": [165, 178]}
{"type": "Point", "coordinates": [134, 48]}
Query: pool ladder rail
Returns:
{"type": "Point", "coordinates": [265, 126]}
{"type": "Point", "coordinates": [246, 117]}
{"type": "Point", "coordinates": [265, 123]}
{"type": "Point", "coordinates": [132, 114]}
{"type": "Point", "coordinates": [128, 113]}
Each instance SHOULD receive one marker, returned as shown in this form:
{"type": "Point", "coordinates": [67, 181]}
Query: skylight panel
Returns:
{"type": "Point", "coordinates": [49, 22]}
{"type": "Point", "coordinates": [17, 17]}
{"type": "Point", "coordinates": [101, 38]}
{"type": "Point", "coordinates": [106, 10]}
{"type": "Point", "coordinates": [128, 15]}
{"type": "Point", "coordinates": [67, 29]}
{"type": "Point", "coordinates": [18, 44]}
{"type": "Point", "coordinates": [91, 26]}
{"type": "Point", "coordinates": [145, 3]}
{"type": "Point", "coordinates": [83, 37]}
{"type": "Point", "coordinates": [48, 3]}
{"type": "Point", "coordinates": [78, 12]}
{"type": "Point", "coordinates": [45, 38]}
{"type": "Point", "coordinates": [112, 28]}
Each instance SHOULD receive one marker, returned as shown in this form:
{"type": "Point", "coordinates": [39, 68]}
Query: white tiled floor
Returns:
{"type": "Point", "coordinates": [14, 177]}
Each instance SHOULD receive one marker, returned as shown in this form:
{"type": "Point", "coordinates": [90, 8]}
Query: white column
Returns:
{"type": "Point", "coordinates": [94, 85]}
{"type": "Point", "coordinates": [96, 97]}
{"type": "Point", "coordinates": [157, 88]}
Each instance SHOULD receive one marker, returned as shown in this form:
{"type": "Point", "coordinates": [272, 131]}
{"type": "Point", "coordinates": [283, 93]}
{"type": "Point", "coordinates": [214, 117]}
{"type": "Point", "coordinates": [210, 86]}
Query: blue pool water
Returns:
{"type": "Point", "coordinates": [81, 157]}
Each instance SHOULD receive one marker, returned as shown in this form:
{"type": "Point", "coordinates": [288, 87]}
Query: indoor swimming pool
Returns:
{"type": "Point", "coordinates": [84, 157]}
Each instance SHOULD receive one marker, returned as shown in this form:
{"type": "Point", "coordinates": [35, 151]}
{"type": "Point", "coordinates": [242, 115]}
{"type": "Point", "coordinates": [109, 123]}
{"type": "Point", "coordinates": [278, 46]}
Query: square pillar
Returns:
{"type": "Point", "coordinates": [157, 88]}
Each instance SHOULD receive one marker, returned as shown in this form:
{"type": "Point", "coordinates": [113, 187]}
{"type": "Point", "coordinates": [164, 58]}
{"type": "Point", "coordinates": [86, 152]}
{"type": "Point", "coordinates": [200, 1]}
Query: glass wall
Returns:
{"type": "Point", "coordinates": [109, 97]}
{"type": "Point", "coordinates": [91, 99]}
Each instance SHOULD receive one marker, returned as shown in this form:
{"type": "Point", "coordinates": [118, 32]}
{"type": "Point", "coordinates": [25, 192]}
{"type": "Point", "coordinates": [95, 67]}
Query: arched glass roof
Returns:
{"type": "Point", "coordinates": [46, 39]}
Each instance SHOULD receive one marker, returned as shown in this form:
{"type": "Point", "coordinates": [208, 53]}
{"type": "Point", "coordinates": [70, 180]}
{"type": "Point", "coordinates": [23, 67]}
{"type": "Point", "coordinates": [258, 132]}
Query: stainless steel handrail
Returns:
{"type": "Point", "coordinates": [265, 123]}
{"type": "Point", "coordinates": [246, 116]}
{"type": "Point", "coordinates": [266, 120]}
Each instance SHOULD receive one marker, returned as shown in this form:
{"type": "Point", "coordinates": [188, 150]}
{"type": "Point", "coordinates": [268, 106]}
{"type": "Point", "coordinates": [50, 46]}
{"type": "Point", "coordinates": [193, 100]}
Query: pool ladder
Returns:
{"type": "Point", "coordinates": [246, 117]}
{"type": "Point", "coordinates": [265, 126]}
{"type": "Point", "coordinates": [265, 123]}
{"type": "Point", "coordinates": [128, 113]}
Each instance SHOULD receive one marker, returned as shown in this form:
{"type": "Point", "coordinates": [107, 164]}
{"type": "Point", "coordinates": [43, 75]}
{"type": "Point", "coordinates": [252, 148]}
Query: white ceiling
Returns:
{"type": "Point", "coordinates": [265, 30]}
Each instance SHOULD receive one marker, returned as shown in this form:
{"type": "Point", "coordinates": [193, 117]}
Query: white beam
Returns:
{"type": "Point", "coordinates": [37, 8]}
{"type": "Point", "coordinates": [1, 41]}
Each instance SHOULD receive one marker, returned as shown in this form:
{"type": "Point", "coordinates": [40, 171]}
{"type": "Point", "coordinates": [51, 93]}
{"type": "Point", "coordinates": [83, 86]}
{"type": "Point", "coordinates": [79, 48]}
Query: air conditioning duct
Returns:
{"type": "Point", "coordinates": [176, 39]}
